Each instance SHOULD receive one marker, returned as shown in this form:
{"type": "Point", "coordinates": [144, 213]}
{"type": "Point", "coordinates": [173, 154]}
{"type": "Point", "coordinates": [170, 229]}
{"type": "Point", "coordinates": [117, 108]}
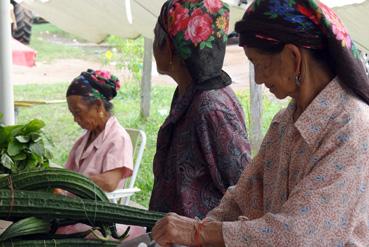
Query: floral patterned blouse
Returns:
{"type": "Point", "coordinates": [308, 185]}
{"type": "Point", "coordinates": [202, 149]}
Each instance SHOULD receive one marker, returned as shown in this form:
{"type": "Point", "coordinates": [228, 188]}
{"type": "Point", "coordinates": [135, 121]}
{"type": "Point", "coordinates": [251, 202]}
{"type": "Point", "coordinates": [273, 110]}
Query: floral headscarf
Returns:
{"type": "Point", "coordinates": [309, 24]}
{"type": "Point", "coordinates": [98, 84]}
{"type": "Point", "coordinates": [198, 30]}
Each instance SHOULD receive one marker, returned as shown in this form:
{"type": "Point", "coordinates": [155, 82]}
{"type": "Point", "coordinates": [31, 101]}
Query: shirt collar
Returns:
{"type": "Point", "coordinates": [96, 144]}
{"type": "Point", "coordinates": [312, 122]}
{"type": "Point", "coordinates": [101, 137]}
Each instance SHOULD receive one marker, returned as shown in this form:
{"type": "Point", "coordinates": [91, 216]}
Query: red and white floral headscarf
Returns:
{"type": "Point", "coordinates": [198, 30]}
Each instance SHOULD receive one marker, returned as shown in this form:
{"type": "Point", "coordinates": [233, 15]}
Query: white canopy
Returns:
{"type": "Point", "coordinates": [93, 20]}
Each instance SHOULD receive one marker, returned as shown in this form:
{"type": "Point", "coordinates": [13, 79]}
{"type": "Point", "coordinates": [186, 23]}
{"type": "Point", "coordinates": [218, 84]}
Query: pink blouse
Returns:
{"type": "Point", "coordinates": [308, 185]}
{"type": "Point", "coordinates": [111, 149]}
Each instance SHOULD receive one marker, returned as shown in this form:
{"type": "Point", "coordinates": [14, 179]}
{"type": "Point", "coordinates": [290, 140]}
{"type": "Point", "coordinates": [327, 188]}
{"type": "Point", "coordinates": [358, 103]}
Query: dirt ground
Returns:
{"type": "Point", "coordinates": [64, 70]}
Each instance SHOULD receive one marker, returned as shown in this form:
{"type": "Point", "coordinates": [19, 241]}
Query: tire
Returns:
{"type": "Point", "coordinates": [24, 19]}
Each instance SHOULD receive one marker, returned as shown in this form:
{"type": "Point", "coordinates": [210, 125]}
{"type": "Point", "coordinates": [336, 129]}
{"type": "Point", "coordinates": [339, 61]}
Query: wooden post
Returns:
{"type": "Point", "coordinates": [256, 117]}
{"type": "Point", "coordinates": [146, 79]}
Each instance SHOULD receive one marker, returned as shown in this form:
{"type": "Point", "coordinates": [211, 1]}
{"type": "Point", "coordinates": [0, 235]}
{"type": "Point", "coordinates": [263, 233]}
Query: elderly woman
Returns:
{"type": "Point", "coordinates": [308, 185]}
{"type": "Point", "coordinates": [202, 146]}
{"type": "Point", "coordinates": [104, 152]}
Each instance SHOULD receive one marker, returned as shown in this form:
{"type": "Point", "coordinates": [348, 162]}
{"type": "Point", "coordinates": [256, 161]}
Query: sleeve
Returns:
{"type": "Point", "coordinates": [250, 186]}
{"type": "Point", "coordinates": [327, 208]}
{"type": "Point", "coordinates": [120, 154]}
{"type": "Point", "coordinates": [224, 144]}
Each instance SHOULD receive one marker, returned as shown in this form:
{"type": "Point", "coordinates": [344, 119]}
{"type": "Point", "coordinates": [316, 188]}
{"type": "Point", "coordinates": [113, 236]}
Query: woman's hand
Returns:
{"type": "Point", "coordinates": [61, 192]}
{"type": "Point", "coordinates": [174, 229]}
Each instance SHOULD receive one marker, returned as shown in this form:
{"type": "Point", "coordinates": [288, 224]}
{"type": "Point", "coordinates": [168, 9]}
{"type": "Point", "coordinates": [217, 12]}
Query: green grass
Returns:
{"type": "Point", "coordinates": [45, 38]}
{"type": "Point", "coordinates": [61, 128]}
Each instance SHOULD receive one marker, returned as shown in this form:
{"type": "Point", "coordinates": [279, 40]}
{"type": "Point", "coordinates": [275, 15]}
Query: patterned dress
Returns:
{"type": "Point", "coordinates": [202, 149]}
{"type": "Point", "coordinates": [308, 186]}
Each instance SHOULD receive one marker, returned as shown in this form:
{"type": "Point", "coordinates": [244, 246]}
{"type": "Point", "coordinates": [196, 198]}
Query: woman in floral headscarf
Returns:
{"type": "Point", "coordinates": [308, 185]}
{"type": "Point", "coordinates": [202, 146]}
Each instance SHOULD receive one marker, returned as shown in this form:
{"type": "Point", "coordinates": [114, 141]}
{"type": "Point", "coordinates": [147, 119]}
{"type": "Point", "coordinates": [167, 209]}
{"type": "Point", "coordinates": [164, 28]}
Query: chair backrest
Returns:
{"type": "Point", "coordinates": [138, 139]}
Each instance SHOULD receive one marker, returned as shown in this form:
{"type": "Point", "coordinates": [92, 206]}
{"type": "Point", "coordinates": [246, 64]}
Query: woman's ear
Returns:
{"type": "Point", "coordinates": [294, 54]}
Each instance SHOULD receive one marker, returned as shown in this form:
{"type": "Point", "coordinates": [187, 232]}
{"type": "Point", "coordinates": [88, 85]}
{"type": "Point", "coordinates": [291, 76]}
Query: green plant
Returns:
{"type": "Point", "coordinates": [128, 54]}
{"type": "Point", "coordinates": [24, 147]}
{"type": "Point", "coordinates": [50, 178]}
{"type": "Point", "coordinates": [26, 226]}
{"type": "Point", "coordinates": [48, 206]}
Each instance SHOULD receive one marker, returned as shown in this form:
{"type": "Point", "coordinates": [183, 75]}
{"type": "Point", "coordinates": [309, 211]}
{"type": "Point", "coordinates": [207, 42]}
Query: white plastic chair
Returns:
{"type": "Point", "coordinates": [122, 196]}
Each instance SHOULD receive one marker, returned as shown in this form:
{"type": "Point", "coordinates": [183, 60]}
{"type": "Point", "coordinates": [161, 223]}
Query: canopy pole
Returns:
{"type": "Point", "coordinates": [6, 88]}
{"type": "Point", "coordinates": [256, 105]}
{"type": "Point", "coordinates": [146, 79]}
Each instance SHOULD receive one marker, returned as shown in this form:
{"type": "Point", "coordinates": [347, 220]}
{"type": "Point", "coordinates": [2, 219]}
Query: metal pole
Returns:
{"type": "Point", "coordinates": [146, 79]}
{"type": "Point", "coordinates": [6, 88]}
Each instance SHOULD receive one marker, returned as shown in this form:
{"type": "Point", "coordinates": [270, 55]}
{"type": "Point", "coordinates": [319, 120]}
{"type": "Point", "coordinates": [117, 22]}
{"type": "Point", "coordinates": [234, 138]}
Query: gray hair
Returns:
{"type": "Point", "coordinates": [91, 100]}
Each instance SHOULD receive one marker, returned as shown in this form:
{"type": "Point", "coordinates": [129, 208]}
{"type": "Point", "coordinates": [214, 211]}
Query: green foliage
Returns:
{"type": "Point", "coordinates": [127, 54]}
{"type": "Point", "coordinates": [23, 147]}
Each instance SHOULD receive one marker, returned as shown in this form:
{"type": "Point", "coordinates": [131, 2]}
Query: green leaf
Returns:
{"type": "Point", "coordinates": [23, 139]}
{"type": "Point", "coordinates": [37, 148]}
{"type": "Point", "coordinates": [185, 52]}
{"type": "Point", "coordinates": [209, 44]}
{"type": "Point", "coordinates": [48, 154]}
{"type": "Point", "coordinates": [1, 116]}
{"type": "Point", "coordinates": [202, 45]}
{"type": "Point", "coordinates": [14, 148]}
{"type": "Point", "coordinates": [211, 38]}
{"type": "Point", "coordinates": [14, 130]}
{"type": "Point", "coordinates": [33, 126]}
{"type": "Point", "coordinates": [21, 156]}
{"type": "Point", "coordinates": [225, 38]}
{"type": "Point", "coordinates": [6, 161]}
{"type": "Point", "coordinates": [35, 136]}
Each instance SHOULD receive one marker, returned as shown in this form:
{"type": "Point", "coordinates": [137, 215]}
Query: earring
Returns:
{"type": "Point", "coordinates": [298, 80]}
{"type": "Point", "coordinates": [101, 114]}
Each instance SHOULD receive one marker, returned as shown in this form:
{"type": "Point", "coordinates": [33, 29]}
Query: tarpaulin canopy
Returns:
{"type": "Point", "coordinates": [93, 20]}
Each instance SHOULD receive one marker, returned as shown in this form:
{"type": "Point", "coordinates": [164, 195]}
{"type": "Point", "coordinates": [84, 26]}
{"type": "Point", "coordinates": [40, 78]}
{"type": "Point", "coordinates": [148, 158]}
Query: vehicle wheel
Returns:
{"type": "Point", "coordinates": [24, 24]}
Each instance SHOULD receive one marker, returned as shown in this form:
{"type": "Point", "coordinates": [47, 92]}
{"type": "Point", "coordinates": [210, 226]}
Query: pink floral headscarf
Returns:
{"type": "Point", "coordinates": [99, 84]}
{"type": "Point", "coordinates": [199, 31]}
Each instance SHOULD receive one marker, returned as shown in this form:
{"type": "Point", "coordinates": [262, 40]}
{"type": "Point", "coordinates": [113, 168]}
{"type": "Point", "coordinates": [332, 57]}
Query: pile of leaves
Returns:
{"type": "Point", "coordinates": [24, 147]}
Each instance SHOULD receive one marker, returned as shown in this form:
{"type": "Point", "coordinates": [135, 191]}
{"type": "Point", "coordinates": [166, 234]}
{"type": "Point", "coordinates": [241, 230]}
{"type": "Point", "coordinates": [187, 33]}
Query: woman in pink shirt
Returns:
{"type": "Point", "coordinates": [104, 152]}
